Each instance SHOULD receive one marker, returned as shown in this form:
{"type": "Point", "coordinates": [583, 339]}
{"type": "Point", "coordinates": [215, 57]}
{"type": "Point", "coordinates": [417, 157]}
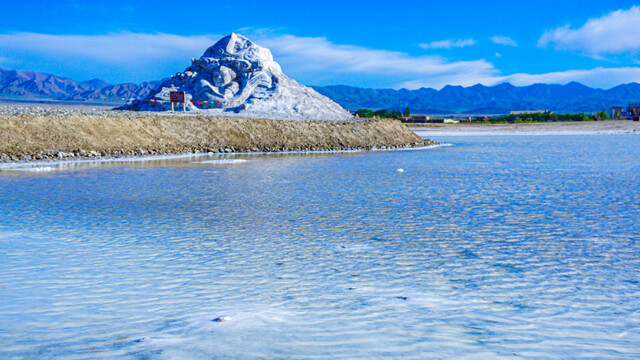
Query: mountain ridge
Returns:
{"type": "Point", "coordinates": [480, 99]}
{"type": "Point", "coordinates": [497, 99]}
{"type": "Point", "coordinates": [30, 84]}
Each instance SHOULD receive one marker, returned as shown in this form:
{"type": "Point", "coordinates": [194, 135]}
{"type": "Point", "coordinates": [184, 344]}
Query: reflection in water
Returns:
{"type": "Point", "coordinates": [495, 247]}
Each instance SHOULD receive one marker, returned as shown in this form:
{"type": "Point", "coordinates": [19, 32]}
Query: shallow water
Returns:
{"type": "Point", "coordinates": [496, 247]}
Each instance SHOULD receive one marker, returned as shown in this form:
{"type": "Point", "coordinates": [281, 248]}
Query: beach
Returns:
{"type": "Point", "coordinates": [550, 128]}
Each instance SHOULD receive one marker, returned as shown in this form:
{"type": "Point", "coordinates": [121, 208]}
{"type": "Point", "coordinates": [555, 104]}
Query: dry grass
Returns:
{"type": "Point", "coordinates": [32, 134]}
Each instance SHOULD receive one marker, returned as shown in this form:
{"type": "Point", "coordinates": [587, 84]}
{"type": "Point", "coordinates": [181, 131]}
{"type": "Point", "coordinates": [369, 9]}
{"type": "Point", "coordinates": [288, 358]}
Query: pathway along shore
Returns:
{"type": "Point", "coordinates": [36, 133]}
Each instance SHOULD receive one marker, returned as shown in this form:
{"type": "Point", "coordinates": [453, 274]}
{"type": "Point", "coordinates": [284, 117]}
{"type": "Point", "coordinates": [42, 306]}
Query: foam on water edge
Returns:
{"type": "Point", "coordinates": [61, 165]}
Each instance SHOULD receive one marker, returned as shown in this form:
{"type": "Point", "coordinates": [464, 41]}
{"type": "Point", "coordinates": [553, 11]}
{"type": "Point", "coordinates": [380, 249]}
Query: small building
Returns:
{"type": "Point", "coordinates": [481, 118]}
{"type": "Point", "coordinates": [616, 111]}
{"type": "Point", "coordinates": [415, 119]}
{"type": "Point", "coordinates": [524, 112]}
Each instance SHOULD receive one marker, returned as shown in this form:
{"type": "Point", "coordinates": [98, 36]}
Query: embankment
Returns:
{"type": "Point", "coordinates": [42, 135]}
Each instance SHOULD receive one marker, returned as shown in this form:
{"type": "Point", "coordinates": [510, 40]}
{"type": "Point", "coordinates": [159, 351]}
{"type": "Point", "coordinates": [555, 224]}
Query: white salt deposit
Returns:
{"type": "Point", "coordinates": [236, 76]}
{"type": "Point", "coordinates": [31, 169]}
{"type": "Point", "coordinates": [222, 161]}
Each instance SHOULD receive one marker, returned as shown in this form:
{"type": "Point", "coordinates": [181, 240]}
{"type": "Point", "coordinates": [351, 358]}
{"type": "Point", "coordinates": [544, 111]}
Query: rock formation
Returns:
{"type": "Point", "coordinates": [237, 76]}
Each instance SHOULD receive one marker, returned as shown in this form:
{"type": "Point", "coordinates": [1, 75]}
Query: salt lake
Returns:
{"type": "Point", "coordinates": [494, 247]}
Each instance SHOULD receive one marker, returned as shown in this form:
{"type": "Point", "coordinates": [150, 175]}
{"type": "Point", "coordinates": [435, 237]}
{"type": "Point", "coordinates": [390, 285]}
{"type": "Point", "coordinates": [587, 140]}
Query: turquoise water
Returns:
{"type": "Point", "coordinates": [495, 247]}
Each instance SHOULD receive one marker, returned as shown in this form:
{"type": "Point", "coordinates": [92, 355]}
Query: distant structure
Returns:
{"type": "Point", "coordinates": [415, 119]}
{"type": "Point", "coordinates": [617, 111]}
{"type": "Point", "coordinates": [632, 111]}
{"type": "Point", "coordinates": [418, 119]}
{"type": "Point", "coordinates": [524, 112]}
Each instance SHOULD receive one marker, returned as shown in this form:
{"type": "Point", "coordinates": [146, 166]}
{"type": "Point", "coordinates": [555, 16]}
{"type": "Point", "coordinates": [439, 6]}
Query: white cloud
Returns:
{"type": "Point", "coordinates": [319, 54]}
{"type": "Point", "coordinates": [116, 48]}
{"type": "Point", "coordinates": [137, 57]}
{"type": "Point", "coordinates": [306, 58]}
{"type": "Point", "coordinates": [448, 44]}
{"type": "Point", "coordinates": [504, 40]}
{"type": "Point", "coordinates": [614, 33]}
{"type": "Point", "coordinates": [598, 77]}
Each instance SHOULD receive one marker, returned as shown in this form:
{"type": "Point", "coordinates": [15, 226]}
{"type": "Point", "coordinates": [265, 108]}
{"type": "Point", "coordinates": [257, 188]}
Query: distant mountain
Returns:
{"type": "Point", "coordinates": [120, 91]}
{"type": "Point", "coordinates": [477, 99]}
{"type": "Point", "coordinates": [480, 99]}
{"type": "Point", "coordinates": [35, 85]}
{"type": "Point", "coordinates": [96, 83]}
{"type": "Point", "coordinates": [29, 84]}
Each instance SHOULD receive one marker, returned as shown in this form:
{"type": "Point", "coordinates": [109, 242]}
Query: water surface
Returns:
{"type": "Point", "coordinates": [495, 247]}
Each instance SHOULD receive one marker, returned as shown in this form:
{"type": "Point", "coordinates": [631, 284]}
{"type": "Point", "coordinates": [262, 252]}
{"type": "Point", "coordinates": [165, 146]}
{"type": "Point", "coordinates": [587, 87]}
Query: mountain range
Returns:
{"type": "Point", "coordinates": [480, 99]}
{"type": "Point", "coordinates": [32, 85]}
{"type": "Point", "coordinates": [477, 99]}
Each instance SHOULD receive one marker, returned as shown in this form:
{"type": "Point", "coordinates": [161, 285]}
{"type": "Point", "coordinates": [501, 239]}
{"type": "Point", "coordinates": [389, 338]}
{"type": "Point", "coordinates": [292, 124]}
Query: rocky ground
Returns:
{"type": "Point", "coordinates": [548, 128]}
{"type": "Point", "coordinates": [62, 111]}
{"type": "Point", "coordinates": [30, 133]}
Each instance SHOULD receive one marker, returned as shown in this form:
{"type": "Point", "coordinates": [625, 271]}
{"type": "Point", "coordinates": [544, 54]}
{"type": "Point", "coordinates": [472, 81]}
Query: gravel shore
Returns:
{"type": "Point", "coordinates": [29, 133]}
{"type": "Point", "coordinates": [550, 128]}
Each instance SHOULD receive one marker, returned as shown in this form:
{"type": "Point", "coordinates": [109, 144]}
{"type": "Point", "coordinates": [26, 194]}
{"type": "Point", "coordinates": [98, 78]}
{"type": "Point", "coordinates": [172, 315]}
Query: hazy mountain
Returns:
{"type": "Point", "coordinates": [96, 83]}
{"type": "Point", "coordinates": [120, 91]}
{"type": "Point", "coordinates": [29, 84]}
{"type": "Point", "coordinates": [502, 98]}
{"type": "Point", "coordinates": [36, 85]}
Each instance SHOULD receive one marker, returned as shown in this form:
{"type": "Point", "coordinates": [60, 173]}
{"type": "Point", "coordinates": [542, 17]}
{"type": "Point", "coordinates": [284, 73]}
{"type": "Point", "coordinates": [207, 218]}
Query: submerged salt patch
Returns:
{"type": "Point", "coordinates": [221, 161]}
{"type": "Point", "coordinates": [239, 318]}
{"type": "Point", "coordinates": [222, 319]}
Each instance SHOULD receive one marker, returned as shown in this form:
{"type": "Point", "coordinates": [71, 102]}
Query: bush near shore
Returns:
{"type": "Point", "coordinates": [31, 136]}
{"type": "Point", "coordinates": [547, 117]}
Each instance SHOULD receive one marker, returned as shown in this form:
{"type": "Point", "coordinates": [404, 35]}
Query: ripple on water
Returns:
{"type": "Point", "coordinates": [497, 247]}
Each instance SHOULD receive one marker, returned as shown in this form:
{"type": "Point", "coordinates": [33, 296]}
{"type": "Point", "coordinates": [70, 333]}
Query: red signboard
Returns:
{"type": "Point", "coordinates": [177, 96]}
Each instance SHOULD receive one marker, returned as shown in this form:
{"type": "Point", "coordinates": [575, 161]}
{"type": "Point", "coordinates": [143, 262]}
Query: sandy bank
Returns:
{"type": "Point", "coordinates": [43, 134]}
{"type": "Point", "coordinates": [552, 128]}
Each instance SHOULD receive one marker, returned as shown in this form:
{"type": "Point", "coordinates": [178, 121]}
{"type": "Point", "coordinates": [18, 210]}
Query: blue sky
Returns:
{"type": "Point", "coordinates": [379, 44]}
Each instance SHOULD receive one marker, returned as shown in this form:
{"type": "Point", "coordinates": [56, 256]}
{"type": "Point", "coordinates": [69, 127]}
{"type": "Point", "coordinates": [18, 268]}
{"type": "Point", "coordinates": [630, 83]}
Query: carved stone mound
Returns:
{"type": "Point", "coordinates": [237, 76]}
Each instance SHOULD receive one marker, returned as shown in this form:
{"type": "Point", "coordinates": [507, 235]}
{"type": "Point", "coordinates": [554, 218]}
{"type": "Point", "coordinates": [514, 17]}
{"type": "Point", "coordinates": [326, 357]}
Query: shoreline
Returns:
{"type": "Point", "coordinates": [208, 158]}
{"type": "Point", "coordinates": [607, 127]}
{"type": "Point", "coordinates": [44, 134]}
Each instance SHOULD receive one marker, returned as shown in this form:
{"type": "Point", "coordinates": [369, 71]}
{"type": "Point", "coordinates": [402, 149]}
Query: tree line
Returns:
{"type": "Point", "coordinates": [528, 117]}
{"type": "Point", "coordinates": [542, 117]}
{"type": "Point", "coordinates": [383, 114]}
